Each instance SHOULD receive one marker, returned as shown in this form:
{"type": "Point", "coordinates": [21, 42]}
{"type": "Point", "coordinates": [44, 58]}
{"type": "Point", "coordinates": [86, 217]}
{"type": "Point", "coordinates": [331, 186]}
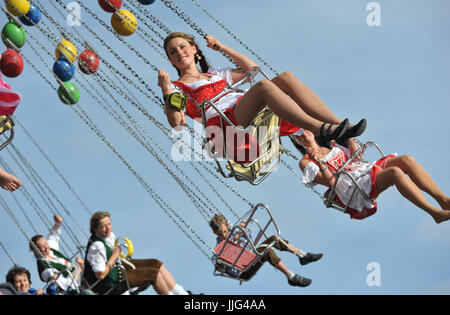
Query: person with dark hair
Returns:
{"type": "Point", "coordinates": [54, 265]}
{"type": "Point", "coordinates": [221, 228]}
{"type": "Point", "coordinates": [320, 163]}
{"type": "Point", "coordinates": [289, 98]}
{"type": "Point", "coordinates": [104, 277]}
{"type": "Point", "coordinates": [20, 278]}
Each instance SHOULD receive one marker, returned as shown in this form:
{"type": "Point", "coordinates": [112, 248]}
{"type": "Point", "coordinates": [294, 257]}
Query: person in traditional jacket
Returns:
{"type": "Point", "coordinates": [103, 256]}
{"type": "Point", "coordinates": [52, 264]}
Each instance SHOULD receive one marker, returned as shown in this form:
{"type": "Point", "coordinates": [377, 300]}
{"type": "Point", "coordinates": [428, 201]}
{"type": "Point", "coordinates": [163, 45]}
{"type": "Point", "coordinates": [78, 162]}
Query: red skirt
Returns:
{"type": "Point", "coordinates": [243, 148]}
{"type": "Point", "coordinates": [367, 212]}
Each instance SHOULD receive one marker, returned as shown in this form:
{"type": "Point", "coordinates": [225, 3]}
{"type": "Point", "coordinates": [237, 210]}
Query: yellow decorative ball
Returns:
{"type": "Point", "coordinates": [124, 22]}
{"type": "Point", "coordinates": [67, 50]}
{"type": "Point", "coordinates": [18, 7]}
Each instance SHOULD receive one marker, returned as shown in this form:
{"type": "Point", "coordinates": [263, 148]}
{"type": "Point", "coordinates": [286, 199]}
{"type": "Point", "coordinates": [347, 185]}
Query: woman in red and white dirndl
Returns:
{"type": "Point", "coordinates": [290, 99]}
{"type": "Point", "coordinates": [320, 163]}
{"type": "Point", "coordinates": [359, 206]}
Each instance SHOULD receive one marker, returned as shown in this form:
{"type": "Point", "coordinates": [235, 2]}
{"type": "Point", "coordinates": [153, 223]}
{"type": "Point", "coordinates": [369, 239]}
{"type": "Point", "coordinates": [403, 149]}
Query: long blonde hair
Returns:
{"type": "Point", "coordinates": [199, 58]}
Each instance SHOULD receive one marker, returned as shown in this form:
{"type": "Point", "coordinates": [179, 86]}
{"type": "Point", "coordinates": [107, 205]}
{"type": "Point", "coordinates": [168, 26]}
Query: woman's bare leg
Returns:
{"type": "Point", "coordinates": [305, 97]}
{"type": "Point", "coordinates": [395, 176]}
{"type": "Point", "coordinates": [264, 93]}
{"type": "Point", "coordinates": [164, 282]}
{"type": "Point", "coordinates": [421, 178]}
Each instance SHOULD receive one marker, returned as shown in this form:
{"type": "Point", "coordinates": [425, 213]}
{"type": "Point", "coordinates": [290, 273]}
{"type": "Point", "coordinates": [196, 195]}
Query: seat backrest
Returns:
{"type": "Point", "coordinates": [265, 129]}
{"type": "Point", "coordinates": [229, 253]}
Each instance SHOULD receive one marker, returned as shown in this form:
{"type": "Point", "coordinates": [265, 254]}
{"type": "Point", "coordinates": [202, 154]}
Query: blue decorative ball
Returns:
{"type": "Point", "coordinates": [145, 2]}
{"type": "Point", "coordinates": [63, 69]}
{"type": "Point", "coordinates": [33, 16]}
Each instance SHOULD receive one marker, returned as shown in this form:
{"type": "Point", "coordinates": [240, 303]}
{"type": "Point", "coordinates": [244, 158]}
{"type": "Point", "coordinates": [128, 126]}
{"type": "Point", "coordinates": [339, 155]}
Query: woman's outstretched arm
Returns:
{"type": "Point", "coordinates": [241, 60]}
{"type": "Point", "coordinates": [176, 118]}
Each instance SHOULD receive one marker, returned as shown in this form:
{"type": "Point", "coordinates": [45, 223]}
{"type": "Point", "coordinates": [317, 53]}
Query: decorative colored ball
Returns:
{"type": "Point", "coordinates": [145, 2]}
{"type": "Point", "coordinates": [110, 5]}
{"type": "Point", "coordinates": [11, 63]}
{"type": "Point", "coordinates": [33, 17]}
{"type": "Point", "coordinates": [88, 62]}
{"type": "Point", "coordinates": [15, 34]}
{"type": "Point", "coordinates": [124, 22]}
{"type": "Point", "coordinates": [67, 50]}
{"type": "Point", "coordinates": [69, 93]}
{"type": "Point", "coordinates": [17, 7]}
{"type": "Point", "coordinates": [63, 70]}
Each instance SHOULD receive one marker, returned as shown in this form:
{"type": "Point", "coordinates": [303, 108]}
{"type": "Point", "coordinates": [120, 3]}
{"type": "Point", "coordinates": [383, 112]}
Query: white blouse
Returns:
{"type": "Point", "coordinates": [217, 74]}
{"type": "Point", "coordinates": [96, 255]}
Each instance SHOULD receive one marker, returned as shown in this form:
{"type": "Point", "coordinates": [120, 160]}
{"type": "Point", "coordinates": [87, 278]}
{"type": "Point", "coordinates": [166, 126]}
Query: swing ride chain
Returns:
{"type": "Point", "coordinates": [128, 128]}
{"type": "Point", "coordinates": [38, 179]}
{"type": "Point", "coordinates": [71, 233]}
{"type": "Point", "coordinates": [128, 67]}
{"type": "Point", "coordinates": [109, 28]}
{"type": "Point", "coordinates": [153, 119]}
{"type": "Point", "coordinates": [156, 98]}
{"type": "Point", "coordinates": [6, 168]}
{"type": "Point", "coordinates": [31, 201]}
{"type": "Point", "coordinates": [152, 18]}
{"type": "Point", "coordinates": [166, 132]}
{"type": "Point", "coordinates": [41, 193]}
{"type": "Point", "coordinates": [146, 24]}
{"type": "Point", "coordinates": [8, 210]}
{"type": "Point", "coordinates": [53, 165]}
{"type": "Point", "coordinates": [162, 204]}
{"type": "Point", "coordinates": [234, 36]}
{"type": "Point", "coordinates": [7, 253]}
{"type": "Point", "coordinates": [148, 88]}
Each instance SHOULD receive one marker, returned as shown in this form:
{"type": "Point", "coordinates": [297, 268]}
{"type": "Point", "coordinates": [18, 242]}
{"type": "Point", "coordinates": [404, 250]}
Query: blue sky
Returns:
{"type": "Point", "coordinates": [395, 75]}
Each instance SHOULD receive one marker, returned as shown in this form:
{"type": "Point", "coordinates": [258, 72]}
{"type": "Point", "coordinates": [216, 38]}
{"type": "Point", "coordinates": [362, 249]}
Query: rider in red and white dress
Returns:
{"type": "Point", "coordinates": [364, 174]}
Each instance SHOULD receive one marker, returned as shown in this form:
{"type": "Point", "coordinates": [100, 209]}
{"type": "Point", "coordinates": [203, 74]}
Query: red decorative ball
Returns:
{"type": "Point", "coordinates": [88, 62]}
{"type": "Point", "coordinates": [110, 5]}
{"type": "Point", "coordinates": [11, 64]}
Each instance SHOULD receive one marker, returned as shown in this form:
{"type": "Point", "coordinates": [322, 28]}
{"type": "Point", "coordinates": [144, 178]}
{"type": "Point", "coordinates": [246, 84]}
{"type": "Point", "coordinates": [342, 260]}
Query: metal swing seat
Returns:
{"type": "Point", "coordinates": [264, 128]}
{"type": "Point", "coordinates": [331, 200]}
{"type": "Point", "coordinates": [240, 259]}
{"type": "Point", "coordinates": [6, 123]}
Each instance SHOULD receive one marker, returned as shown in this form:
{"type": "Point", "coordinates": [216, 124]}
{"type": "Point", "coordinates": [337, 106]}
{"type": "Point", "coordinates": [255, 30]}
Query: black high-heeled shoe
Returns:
{"type": "Point", "coordinates": [340, 130]}
{"type": "Point", "coordinates": [352, 132]}
{"type": "Point", "coordinates": [324, 138]}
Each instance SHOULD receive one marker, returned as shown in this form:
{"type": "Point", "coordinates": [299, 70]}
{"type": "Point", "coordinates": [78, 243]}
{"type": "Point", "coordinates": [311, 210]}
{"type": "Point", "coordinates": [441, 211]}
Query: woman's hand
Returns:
{"type": "Point", "coordinates": [116, 253]}
{"type": "Point", "coordinates": [58, 220]}
{"type": "Point", "coordinates": [314, 155]}
{"type": "Point", "coordinates": [213, 43]}
{"type": "Point", "coordinates": [164, 82]}
{"type": "Point", "coordinates": [80, 261]}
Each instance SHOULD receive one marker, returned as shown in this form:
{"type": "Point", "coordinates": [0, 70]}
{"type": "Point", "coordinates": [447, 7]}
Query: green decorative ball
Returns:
{"type": "Point", "coordinates": [69, 95]}
{"type": "Point", "coordinates": [15, 34]}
